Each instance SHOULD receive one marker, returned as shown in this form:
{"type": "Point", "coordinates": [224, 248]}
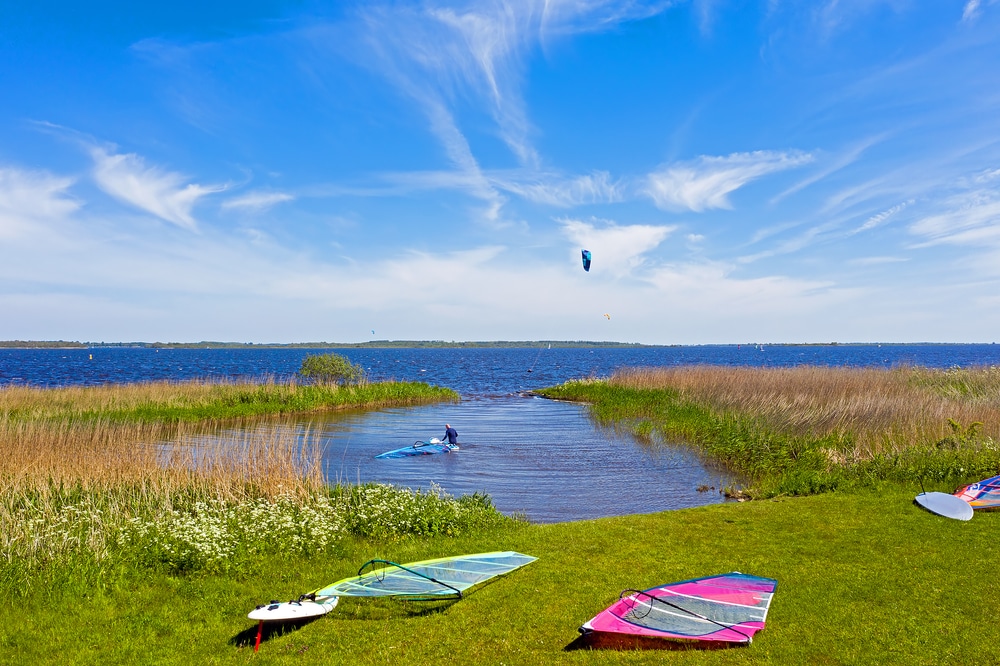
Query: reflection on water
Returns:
{"type": "Point", "coordinates": [544, 458]}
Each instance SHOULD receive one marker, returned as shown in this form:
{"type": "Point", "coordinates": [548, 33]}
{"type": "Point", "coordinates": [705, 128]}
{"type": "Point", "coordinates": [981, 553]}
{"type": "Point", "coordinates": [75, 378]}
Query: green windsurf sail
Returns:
{"type": "Point", "coordinates": [442, 578]}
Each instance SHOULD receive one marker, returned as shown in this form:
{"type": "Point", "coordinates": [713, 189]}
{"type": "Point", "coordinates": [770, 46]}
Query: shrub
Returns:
{"type": "Point", "coordinates": [332, 369]}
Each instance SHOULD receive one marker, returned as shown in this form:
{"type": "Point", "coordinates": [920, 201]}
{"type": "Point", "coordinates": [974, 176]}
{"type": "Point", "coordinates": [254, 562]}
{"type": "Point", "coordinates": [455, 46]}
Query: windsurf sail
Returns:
{"type": "Point", "coordinates": [726, 608]}
{"type": "Point", "coordinates": [983, 494]}
{"type": "Point", "coordinates": [442, 578]}
{"type": "Point", "coordinates": [419, 449]}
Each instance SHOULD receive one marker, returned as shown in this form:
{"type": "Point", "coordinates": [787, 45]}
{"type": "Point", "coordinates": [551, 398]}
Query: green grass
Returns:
{"type": "Point", "coordinates": [863, 578]}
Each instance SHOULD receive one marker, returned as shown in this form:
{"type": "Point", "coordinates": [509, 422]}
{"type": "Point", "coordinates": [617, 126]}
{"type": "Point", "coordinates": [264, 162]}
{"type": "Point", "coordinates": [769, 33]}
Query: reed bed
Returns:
{"type": "Point", "coordinates": [877, 411]}
{"type": "Point", "coordinates": [190, 476]}
{"type": "Point", "coordinates": [157, 457]}
{"type": "Point", "coordinates": [201, 400]}
{"type": "Point", "coordinates": [811, 429]}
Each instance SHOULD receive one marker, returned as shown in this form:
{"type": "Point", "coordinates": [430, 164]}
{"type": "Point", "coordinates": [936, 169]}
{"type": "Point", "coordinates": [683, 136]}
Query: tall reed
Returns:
{"type": "Point", "coordinates": [883, 411]}
{"type": "Point", "coordinates": [189, 476]}
{"type": "Point", "coordinates": [812, 429]}
{"type": "Point", "coordinates": [200, 400]}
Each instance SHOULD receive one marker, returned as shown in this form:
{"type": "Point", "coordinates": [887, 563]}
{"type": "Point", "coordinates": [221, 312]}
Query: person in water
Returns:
{"type": "Point", "coordinates": [450, 434]}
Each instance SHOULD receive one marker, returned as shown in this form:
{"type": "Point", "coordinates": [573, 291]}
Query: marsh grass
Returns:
{"type": "Point", "coordinates": [160, 436]}
{"type": "Point", "coordinates": [189, 477]}
{"type": "Point", "coordinates": [883, 411]}
{"type": "Point", "coordinates": [198, 401]}
{"type": "Point", "coordinates": [810, 429]}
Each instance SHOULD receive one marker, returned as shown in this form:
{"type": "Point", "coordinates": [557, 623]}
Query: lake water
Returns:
{"type": "Point", "coordinates": [539, 457]}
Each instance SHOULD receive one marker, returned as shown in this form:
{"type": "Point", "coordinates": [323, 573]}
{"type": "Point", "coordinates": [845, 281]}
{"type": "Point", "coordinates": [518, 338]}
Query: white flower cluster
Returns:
{"type": "Point", "coordinates": [214, 534]}
{"type": "Point", "coordinates": [210, 533]}
{"type": "Point", "coordinates": [384, 511]}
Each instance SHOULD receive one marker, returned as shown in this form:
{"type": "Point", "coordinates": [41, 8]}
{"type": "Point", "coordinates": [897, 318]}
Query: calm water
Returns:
{"type": "Point", "coordinates": [544, 458]}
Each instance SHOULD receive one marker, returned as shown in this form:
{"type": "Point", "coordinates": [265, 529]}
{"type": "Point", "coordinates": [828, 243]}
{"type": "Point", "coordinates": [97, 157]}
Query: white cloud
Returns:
{"type": "Point", "coordinates": [968, 218]}
{"type": "Point", "coordinates": [707, 182]}
{"type": "Point", "coordinates": [257, 200]}
{"type": "Point", "coordinates": [971, 10]}
{"type": "Point", "coordinates": [441, 56]}
{"type": "Point", "coordinates": [880, 218]}
{"type": "Point", "coordinates": [876, 261]}
{"type": "Point", "coordinates": [162, 193]}
{"type": "Point", "coordinates": [555, 190]}
{"type": "Point", "coordinates": [27, 197]}
{"type": "Point", "coordinates": [616, 249]}
{"type": "Point", "coordinates": [839, 162]}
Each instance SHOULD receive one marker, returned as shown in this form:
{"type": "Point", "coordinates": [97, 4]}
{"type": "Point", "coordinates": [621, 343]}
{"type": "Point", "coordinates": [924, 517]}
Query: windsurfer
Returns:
{"type": "Point", "coordinates": [450, 434]}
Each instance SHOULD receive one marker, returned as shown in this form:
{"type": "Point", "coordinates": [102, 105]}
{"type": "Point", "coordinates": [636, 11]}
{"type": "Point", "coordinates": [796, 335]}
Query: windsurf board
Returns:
{"type": "Point", "coordinates": [288, 611]}
{"type": "Point", "coordinates": [945, 505]}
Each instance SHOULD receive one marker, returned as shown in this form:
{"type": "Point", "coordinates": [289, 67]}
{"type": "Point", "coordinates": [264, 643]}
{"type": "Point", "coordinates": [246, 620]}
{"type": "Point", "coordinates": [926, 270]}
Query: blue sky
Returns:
{"type": "Point", "coordinates": [768, 171]}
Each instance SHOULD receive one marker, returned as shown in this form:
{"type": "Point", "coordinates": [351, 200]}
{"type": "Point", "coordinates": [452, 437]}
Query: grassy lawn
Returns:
{"type": "Point", "coordinates": [864, 577]}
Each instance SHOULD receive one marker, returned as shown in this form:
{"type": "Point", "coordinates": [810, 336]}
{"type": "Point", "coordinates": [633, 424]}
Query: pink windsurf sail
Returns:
{"type": "Point", "coordinates": [984, 494]}
{"type": "Point", "coordinates": [726, 608]}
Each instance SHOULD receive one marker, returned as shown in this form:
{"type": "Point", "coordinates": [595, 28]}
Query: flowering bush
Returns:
{"type": "Point", "coordinates": [197, 534]}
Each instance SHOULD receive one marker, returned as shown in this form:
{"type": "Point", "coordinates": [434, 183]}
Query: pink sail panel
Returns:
{"type": "Point", "coordinates": [728, 608]}
{"type": "Point", "coordinates": [982, 495]}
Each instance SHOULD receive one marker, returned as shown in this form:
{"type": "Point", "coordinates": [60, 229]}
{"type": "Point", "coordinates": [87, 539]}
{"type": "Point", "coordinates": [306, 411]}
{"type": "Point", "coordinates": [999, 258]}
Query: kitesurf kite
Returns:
{"type": "Point", "coordinates": [607, 316]}
{"type": "Point", "coordinates": [726, 608]}
{"type": "Point", "coordinates": [984, 495]}
{"type": "Point", "coordinates": [586, 260]}
{"type": "Point", "coordinates": [429, 580]}
{"type": "Point", "coordinates": [435, 445]}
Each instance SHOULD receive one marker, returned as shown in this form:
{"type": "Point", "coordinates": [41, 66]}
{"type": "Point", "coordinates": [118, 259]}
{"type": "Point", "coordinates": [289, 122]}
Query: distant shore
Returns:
{"type": "Point", "coordinates": [429, 344]}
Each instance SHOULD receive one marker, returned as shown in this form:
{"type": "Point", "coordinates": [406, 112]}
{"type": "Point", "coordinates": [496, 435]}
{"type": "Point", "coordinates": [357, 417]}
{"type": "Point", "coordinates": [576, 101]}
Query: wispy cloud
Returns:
{"type": "Point", "coordinates": [441, 56]}
{"type": "Point", "coordinates": [257, 200]}
{"type": "Point", "coordinates": [879, 218]}
{"type": "Point", "coordinates": [971, 10]}
{"type": "Point", "coordinates": [165, 194]}
{"type": "Point", "coordinates": [616, 249]}
{"type": "Point", "coordinates": [556, 190]}
{"type": "Point", "coordinates": [708, 181]}
{"type": "Point", "coordinates": [974, 8]}
{"type": "Point", "coordinates": [970, 218]}
{"type": "Point", "coordinates": [839, 162]}
{"type": "Point", "coordinates": [876, 261]}
{"type": "Point", "coordinates": [27, 197]}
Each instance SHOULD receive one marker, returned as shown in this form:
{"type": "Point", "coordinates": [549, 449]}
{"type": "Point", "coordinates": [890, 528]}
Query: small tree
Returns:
{"type": "Point", "coordinates": [332, 369]}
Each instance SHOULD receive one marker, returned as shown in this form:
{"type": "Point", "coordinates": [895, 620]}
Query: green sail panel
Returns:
{"type": "Point", "coordinates": [445, 577]}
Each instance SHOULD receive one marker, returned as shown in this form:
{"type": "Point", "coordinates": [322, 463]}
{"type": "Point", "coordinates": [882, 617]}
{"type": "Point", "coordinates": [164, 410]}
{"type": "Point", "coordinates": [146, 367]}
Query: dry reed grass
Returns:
{"type": "Point", "coordinates": [28, 402]}
{"type": "Point", "coordinates": [885, 411]}
{"type": "Point", "coordinates": [157, 458]}
{"type": "Point", "coordinates": [113, 436]}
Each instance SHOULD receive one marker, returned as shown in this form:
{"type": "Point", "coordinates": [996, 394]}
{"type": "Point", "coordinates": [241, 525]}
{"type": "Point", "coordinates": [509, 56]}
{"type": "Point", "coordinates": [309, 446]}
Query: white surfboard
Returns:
{"type": "Point", "coordinates": [945, 505]}
{"type": "Point", "coordinates": [289, 611]}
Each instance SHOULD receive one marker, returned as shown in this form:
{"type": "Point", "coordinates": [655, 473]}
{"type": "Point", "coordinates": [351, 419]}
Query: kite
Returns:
{"type": "Point", "coordinates": [586, 260]}
{"type": "Point", "coordinates": [720, 609]}
{"type": "Point", "coordinates": [984, 495]}
{"type": "Point", "coordinates": [607, 316]}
